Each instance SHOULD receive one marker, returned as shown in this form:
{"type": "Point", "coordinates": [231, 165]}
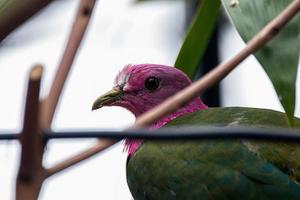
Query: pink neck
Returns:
{"type": "Point", "coordinates": [132, 145]}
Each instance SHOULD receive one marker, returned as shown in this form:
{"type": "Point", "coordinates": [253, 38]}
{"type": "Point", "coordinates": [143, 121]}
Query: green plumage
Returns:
{"type": "Point", "coordinates": [218, 169]}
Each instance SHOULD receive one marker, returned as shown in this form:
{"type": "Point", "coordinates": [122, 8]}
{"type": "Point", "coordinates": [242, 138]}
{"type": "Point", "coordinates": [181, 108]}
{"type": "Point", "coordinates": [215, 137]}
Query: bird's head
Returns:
{"type": "Point", "coordinates": [138, 88]}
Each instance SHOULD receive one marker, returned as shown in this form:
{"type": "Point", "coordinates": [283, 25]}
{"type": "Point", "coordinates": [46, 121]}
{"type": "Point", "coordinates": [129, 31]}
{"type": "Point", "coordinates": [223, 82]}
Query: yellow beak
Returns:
{"type": "Point", "coordinates": [107, 98]}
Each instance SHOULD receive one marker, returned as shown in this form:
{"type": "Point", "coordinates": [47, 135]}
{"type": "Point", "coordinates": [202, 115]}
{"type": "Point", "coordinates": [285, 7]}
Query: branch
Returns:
{"type": "Point", "coordinates": [80, 24]}
{"type": "Point", "coordinates": [31, 171]}
{"type": "Point", "coordinates": [79, 27]}
{"type": "Point", "coordinates": [211, 78]}
{"type": "Point", "coordinates": [14, 12]}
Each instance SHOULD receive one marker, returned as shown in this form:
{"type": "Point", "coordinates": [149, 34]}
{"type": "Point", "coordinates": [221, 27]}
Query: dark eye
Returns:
{"type": "Point", "coordinates": [152, 83]}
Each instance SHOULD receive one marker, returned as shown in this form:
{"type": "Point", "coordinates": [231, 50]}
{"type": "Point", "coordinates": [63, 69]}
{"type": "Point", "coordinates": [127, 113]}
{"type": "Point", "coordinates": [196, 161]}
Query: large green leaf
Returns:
{"type": "Point", "coordinates": [198, 36]}
{"type": "Point", "coordinates": [279, 57]}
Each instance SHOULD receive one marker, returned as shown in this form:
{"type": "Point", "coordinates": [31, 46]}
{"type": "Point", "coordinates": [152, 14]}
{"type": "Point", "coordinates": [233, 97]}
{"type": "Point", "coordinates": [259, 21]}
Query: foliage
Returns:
{"type": "Point", "coordinates": [279, 57]}
{"type": "Point", "coordinates": [198, 36]}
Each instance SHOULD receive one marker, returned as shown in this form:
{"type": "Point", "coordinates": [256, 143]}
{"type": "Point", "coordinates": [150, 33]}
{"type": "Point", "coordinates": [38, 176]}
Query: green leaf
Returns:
{"type": "Point", "coordinates": [235, 116]}
{"type": "Point", "coordinates": [198, 36]}
{"type": "Point", "coordinates": [279, 57]}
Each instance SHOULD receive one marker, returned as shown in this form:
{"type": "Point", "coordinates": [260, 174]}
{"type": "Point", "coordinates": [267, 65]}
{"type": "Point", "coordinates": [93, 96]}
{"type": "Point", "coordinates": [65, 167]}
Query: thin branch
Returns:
{"type": "Point", "coordinates": [79, 27]}
{"type": "Point", "coordinates": [30, 127]}
{"type": "Point", "coordinates": [221, 71]}
{"type": "Point", "coordinates": [30, 175]}
{"type": "Point", "coordinates": [14, 12]}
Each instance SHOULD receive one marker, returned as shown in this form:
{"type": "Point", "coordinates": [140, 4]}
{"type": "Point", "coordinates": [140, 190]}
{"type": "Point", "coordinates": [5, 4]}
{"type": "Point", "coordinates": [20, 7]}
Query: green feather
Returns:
{"type": "Point", "coordinates": [217, 169]}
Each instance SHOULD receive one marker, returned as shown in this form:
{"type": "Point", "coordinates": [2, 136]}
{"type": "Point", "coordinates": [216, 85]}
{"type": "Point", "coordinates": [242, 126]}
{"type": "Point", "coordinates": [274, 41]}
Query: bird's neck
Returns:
{"type": "Point", "coordinates": [132, 145]}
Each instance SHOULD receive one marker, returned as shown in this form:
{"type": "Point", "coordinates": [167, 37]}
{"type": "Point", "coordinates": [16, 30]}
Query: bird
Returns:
{"type": "Point", "coordinates": [207, 169]}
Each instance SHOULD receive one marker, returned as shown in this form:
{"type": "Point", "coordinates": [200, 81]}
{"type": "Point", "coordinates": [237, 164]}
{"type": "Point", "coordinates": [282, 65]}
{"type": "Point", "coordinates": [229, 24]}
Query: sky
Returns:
{"type": "Point", "coordinates": [120, 32]}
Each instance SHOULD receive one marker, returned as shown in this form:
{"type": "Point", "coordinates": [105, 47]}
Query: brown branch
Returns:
{"type": "Point", "coordinates": [80, 24]}
{"type": "Point", "coordinates": [14, 12]}
{"type": "Point", "coordinates": [31, 172]}
{"type": "Point", "coordinates": [214, 76]}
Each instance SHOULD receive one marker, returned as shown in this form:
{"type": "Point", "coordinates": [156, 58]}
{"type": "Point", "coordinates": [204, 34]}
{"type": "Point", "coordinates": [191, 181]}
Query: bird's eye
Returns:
{"type": "Point", "coordinates": [152, 83]}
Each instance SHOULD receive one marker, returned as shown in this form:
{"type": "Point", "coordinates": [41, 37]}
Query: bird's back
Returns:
{"type": "Point", "coordinates": [205, 170]}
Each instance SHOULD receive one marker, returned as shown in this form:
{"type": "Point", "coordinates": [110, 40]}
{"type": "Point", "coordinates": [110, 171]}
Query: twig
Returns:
{"type": "Point", "coordinates": [15, 12]}
{"type": "Point", "coordinates": [80, 24]}
{"type": "Point", "coordinates": [217, 74]}
{"type": "Point", "coordinates": [31, 172]}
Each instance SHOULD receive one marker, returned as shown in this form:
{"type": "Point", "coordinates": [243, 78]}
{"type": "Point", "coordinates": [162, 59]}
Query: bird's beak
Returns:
{"type": "Point", "coordinates": [108, 98]}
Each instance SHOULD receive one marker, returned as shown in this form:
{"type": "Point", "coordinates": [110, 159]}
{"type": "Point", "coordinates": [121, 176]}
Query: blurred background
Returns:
{"type": "Point", "coordinates": [119, 33]}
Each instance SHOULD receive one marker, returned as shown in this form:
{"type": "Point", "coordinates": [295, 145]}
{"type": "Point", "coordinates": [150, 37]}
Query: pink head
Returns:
{"type": "Point", "coordinates": [138, 88]}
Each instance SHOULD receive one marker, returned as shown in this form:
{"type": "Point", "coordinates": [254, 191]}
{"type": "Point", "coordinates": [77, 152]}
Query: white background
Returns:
{"type": "Point", "coordinates": [120, 32]}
